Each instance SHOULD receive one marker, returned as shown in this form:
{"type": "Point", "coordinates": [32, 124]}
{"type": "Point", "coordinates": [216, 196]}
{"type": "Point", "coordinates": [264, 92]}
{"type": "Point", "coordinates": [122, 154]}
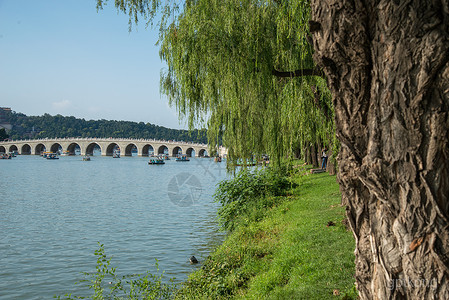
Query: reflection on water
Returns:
{"type": "Point", "coordinates": [53, 213]}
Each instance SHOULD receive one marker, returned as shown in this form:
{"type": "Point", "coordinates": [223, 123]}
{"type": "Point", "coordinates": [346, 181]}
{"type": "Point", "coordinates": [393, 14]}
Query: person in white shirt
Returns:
{"type": "Point", "coordinates": [324, 159]}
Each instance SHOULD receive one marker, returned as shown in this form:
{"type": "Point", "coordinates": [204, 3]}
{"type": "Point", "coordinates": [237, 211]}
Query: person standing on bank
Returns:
{"type": "Point", "coordinates": [324, 159]}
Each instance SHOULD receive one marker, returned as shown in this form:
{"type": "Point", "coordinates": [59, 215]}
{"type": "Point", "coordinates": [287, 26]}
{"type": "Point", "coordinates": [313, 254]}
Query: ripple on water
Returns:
{"type": "Point", "coordinates": [55, 212]}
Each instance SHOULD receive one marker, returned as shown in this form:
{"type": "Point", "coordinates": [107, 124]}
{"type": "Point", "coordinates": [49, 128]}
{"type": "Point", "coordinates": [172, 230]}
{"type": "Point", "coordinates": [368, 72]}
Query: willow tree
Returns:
{"type": "Point", "coordinates": [226, 60]}
{"type": "Point", "coordinates": [387, 64]}
{"type": "Point", "coordinates": [228, 66]}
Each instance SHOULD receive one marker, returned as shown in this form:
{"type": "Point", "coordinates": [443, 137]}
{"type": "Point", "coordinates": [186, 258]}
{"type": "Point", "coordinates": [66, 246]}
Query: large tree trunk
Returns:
{"type": "Point", "coordinates": [387, 66]}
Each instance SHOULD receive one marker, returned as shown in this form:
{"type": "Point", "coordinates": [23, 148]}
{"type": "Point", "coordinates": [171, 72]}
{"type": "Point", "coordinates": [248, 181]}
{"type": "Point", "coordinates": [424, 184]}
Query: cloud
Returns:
{"type": "Point", "coordinates": [62, 105]}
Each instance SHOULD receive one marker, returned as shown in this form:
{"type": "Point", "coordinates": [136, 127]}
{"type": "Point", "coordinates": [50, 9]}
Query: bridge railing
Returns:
{"type": "Point", "coordinates": [105, 140]}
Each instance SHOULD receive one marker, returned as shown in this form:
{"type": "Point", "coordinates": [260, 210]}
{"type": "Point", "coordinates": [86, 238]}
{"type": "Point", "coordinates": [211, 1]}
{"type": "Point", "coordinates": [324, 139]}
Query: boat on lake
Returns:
{"type": "Point", "coordinates": [52, 156]}
{"type": "Point", "coordinates": [182, 157]}
{"type": "Point", "coordinates": [156, 161]}
{"type": "Point", "coordinates": [5, 156]}
{"type": "Point", "coordinates": [46, 153]}
{"type": "Point", "coordinates": [86, 158]}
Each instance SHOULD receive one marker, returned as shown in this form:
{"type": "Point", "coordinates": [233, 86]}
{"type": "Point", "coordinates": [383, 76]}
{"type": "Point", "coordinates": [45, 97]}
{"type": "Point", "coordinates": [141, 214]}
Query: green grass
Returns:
{"type": "Point", "coordinates": [289, 253]}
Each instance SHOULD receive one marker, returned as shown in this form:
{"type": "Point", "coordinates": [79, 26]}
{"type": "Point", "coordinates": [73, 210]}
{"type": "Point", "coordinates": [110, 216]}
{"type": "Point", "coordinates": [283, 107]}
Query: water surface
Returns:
{"type": "Point", "coordinates": [53, 213]}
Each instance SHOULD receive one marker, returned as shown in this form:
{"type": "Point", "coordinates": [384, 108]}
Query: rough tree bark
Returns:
{"type": "Point", "coordinates": [330, 165]}
{"type": "Point", "coordinates": [386, 62]}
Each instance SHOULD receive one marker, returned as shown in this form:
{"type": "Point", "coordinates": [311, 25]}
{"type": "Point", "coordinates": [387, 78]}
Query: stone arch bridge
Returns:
{"type": "Point", "coordinates": [106, 146]}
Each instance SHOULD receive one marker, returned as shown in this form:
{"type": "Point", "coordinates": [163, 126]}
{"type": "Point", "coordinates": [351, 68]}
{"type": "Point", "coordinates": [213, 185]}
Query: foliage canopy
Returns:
{"type": "Point", "coordinates": [224, 60]}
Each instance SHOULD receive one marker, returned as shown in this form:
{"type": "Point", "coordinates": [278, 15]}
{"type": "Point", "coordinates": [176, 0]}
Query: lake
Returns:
{"type": "Point", "coordinates": [54, 213]}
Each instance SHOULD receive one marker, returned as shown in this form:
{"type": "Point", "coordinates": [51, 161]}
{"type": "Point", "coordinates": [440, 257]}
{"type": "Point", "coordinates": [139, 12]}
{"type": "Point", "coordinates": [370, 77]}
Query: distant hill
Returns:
{"type": "Point", "coordinates": [47, 126]}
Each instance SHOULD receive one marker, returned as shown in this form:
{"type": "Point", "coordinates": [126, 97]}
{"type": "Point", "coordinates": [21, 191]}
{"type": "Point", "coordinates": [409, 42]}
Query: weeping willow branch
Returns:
{"type": "Point", "coordinates": [298, 73]}
{"type": "Point", "coordinates": [321, 105]}
{"type": "Point", "coordinates": [223, 61]}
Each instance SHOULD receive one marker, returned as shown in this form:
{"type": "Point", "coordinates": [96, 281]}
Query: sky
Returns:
{"type": "Point", "coordinates": [64, 57]}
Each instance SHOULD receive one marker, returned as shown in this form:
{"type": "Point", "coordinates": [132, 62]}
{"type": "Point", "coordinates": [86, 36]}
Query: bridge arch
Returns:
{"type": "Point", "coordinates": [190, 152]}
{"type": "Point", "coordinates": [129, 148]}
{"type": "Point", "coordinates": [13, 148]}
{"type": "Point", "coordinates": [162, 150]}
{"type": "Point", "coordinates": [176, 151]}
{"type": "Point", "coordinates": [72, 148]}
{"type": "Point", "coordinates": [2, 149]}
{"type": "Point", "coordinates": [90, 148]}
{"type": "Point", "coordinates": [55, 147]}
{"type": "Point", "coordinates": [147, 150]}
{"type": "Point", "coordinates": [26, 150]}
{"type": "Point", "coordinates": [111, 147]}
{"type": "Point", "coordinates": [202, 152]}
{"type": "Point", "coordinates": [39, 149]}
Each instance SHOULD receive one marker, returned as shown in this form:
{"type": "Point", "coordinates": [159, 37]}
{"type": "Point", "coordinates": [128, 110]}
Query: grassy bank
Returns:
{"type": "Point", "coordinates": [283, 250]}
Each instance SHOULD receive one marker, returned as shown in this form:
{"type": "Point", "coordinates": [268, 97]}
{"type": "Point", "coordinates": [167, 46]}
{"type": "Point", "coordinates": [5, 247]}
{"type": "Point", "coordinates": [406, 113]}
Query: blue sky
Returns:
{"type": "Point", "coordinates": [62, 57]}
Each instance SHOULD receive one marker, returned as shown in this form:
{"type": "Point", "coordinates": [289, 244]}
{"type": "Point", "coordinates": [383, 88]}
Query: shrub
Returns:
{"type": "Point", "coordinates": [248, 194]}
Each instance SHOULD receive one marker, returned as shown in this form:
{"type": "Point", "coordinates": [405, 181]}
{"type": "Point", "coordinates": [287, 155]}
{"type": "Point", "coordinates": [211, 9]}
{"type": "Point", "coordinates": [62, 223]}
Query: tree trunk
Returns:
{"type": "Point", "coordinates": [319, 159]}
{"type": "Point", "coordinates": [298, 153]}
{"type": "Point", "coordinates": [386, 63]}
{"type": "Point", "coordinates": [308, 158]}
{"type": "Point", "coordinates": [330, 165]}
{"type": "Point", "coordinates": [314, 156]}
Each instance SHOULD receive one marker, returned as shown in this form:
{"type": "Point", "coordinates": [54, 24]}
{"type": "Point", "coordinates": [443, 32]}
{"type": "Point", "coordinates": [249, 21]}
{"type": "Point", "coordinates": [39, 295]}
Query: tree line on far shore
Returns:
{"type": "Point", "coordinates": [58, 126]}
{"type": "Point", "coordinates": [3, 134]}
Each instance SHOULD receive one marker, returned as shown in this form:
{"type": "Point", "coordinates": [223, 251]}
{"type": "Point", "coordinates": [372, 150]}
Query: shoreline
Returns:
{"type": "Point", "coordinates": [299, 248]}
